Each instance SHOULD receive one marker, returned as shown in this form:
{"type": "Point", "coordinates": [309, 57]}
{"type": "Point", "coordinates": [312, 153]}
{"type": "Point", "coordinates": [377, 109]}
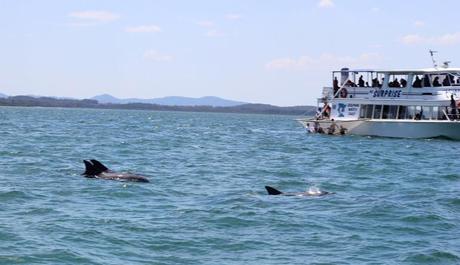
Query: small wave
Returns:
{"type": "Point", "coordinates": [454, 202]}
{"type": "Point", "coordinates": [58, 256]}
{"type": "Point", "coordinates": [13, 195]}
{"type": "Point", "coordinates": [435, 257]}
{"type": "Point", "coordinates": [451, 177]}
{"type": "Point", "coordinates": [422, 218]}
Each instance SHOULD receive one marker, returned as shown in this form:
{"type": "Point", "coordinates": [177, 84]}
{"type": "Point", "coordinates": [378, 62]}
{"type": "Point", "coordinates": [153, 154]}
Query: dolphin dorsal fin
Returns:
{"type": "Point", "coordinates": [272, 191]}
{"type": "Point", "coordinates": [90, 169]}
{"type": "Point", "coordinates": [99, 166]}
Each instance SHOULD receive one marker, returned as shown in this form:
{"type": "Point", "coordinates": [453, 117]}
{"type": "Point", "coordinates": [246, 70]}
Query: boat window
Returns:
{"type": "Point", "coordinates": [369, 111]}
{"type": "Point", "coordinates": [366, 111]}
{"type": "Point", "coordinates": [436, 80]}
{"type": "Point", "coordinates": [402, 112]}
{"type": "Point", "coordinates": [426, 82]}
{"type": "Point", "coordinates": [397, 80]}
{"type": "Point", "coordinates": [442, 112]}
{"type": "Point", "coordinates": [389, 112]}
{"type": "Point", "coordinates": [392, 112]}
{"type": "Point", "coordinates": [447, 80]}
{"type": "Point", "coordinates": [410, 112]}
{"type": "Point", "coordinates": [426, 113]}
{"type": "Point", "coordinates": [385, 112]}
{"type": "Point", "coordinates": [362, 111]}
{"type": "Point", "coordinates": [377, 111]}
{"type": "Point", "coordinates": [417, 81]}
{"type": "Point", "coordinates": [377, 80]}
{"type": "Point", "coordinates": [418, 113]}
{"type": "Point", "coordinates": [435, 113]}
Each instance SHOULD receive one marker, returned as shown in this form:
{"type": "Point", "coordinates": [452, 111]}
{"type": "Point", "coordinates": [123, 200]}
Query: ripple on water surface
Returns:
{"type": "Point", "coordinates": [396, 200]}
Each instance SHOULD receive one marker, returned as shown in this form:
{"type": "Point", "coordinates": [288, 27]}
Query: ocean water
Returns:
{"type": "Point", "coordinates": [396, 201]}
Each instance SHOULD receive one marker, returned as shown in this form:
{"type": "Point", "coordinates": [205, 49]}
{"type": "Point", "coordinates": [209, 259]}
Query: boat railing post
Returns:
{"type": "Point", "coordinates": [340, 89]}
{"type": "Point", "coordinates": [447, 116]}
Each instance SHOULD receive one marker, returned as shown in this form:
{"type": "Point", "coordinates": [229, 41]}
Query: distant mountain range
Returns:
{"type": "Point", "coordinates": [171, 101]}
{"type": "Point", "coordinates": [30, 101]}
{"type": "Point", "coordinates": [204, 104]}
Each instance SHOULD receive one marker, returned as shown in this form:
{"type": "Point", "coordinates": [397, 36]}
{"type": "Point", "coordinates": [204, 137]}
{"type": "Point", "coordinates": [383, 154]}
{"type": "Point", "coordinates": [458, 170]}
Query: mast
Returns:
{"type": "Point", "coordinates": [435, 65]}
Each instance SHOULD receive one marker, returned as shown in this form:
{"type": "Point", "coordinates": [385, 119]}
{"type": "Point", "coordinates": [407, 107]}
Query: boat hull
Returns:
{"type": "Point", "coordinates": [409, 129]}
{"type": "Point", "coordinates": [398, 128]}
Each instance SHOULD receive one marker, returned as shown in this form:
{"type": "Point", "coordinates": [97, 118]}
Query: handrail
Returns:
{"type": "Point", "coordinates": [447, 115]}
{"type": "Point", "coordinates": [332, 99]}
{"type": "Point", "coordinates": [340, 89]}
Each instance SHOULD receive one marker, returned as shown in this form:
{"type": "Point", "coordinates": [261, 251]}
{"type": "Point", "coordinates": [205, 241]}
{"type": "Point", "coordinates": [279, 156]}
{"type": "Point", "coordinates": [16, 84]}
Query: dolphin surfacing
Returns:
{"type": "Point", "coordinates": [95, 169]}
{"type": "Point", "coordinates": [273, 191]}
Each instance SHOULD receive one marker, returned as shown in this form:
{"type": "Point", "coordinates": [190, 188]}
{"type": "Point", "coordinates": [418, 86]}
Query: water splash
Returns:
{"type": "Point", "coordinates": [313, 190]}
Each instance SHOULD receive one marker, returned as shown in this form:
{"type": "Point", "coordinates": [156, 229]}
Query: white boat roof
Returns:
{"type": "Point", "coordinates": [408, 71]}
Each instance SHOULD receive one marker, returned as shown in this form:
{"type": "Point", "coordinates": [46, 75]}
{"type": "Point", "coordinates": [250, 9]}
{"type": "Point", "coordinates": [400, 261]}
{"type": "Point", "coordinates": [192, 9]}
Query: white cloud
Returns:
{"type": "Point", "coordinates": [412, 39]}
{"type": "Point", "coordinates": [375, 9]}
{"type": "Point", "coordinates": [205, 24]}
{"type": "Point", "coordinates": [233, 16]}
{"type": "Point", "coordinates": [325, 61]}
{"type": "Point", "coordinates": [95, 16]}
{"type": "Point", "coordinates": [419, 23]}
{"type": "Point", "coordinates": [144, 29]}
{"type": "Point", "coordinates": [156, 56]}
{"type": "Point", "coordinates": [446, 39]}
{"type": "Point", "coordinates": [325, 4]}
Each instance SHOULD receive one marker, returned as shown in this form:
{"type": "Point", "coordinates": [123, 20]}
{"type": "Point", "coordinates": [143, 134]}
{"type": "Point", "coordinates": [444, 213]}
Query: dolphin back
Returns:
{"type": "Point", "coordinates": [95, 169]}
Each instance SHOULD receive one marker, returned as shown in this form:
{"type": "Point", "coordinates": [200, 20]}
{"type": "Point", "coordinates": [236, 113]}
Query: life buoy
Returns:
{"type": "Point", "coordinates": [343, 93]}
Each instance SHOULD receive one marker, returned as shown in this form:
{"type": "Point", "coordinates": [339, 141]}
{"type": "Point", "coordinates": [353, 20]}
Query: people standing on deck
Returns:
{"type": "Point", "coordinates": [320, 130]}
{"type": "Point", "coordinates": [375, 82]}
{"type": "Point", "coordinates": [446, 81]}
{"type": "Point", "coordinates": [436, 82]}
{"type": "Point", "coordinates": [417, 83]}
{"type": "Point", "coordinates": [310, 129]}
{"type": "Point", "coordinates": [395, 83]}
{"type": "Point", "coordinates": [426, 81]}
{"type": "Point", "coordinates": [453, 107]}
{"type": "Point", "coordinates": [332, 127]}
{"type": "Point", "coordinates": [350, 83]}
{"type": "Point", "coordinates": [326, 110]}
{"type": "Point", "coordinates": [403, 82]}
{"type": "Point", "coordinates": [361, 81]}
{"type": "Point", "coordinates": [335, 85]}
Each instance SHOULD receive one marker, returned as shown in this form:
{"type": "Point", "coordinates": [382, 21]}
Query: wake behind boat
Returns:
{"type": "Point", "coordinates": [413, 103]}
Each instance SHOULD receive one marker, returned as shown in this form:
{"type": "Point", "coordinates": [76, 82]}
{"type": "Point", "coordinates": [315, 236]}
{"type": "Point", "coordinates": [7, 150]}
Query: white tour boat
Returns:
{"type": "Point", "coordinates": [413, 103]}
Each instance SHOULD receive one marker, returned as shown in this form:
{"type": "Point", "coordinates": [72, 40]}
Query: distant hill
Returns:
{"type": "Point", "coordinates": [3, 95]}
{"type": "Point", "coordinates": [171, 101]}
{"type": "Point", "coordinates": [29, 101]}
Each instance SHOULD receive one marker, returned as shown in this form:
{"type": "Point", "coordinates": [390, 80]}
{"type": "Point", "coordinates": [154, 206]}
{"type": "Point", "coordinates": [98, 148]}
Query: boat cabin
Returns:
{"type": "Point", "coordinates": [423, 94]}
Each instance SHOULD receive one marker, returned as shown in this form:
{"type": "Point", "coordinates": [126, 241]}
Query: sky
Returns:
{"type": "Point", "coordinates": [261, 51]}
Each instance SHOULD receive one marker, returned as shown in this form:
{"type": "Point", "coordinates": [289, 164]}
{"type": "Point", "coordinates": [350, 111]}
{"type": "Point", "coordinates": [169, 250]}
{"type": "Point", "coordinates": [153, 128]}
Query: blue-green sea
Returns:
{"type": "Point", "coordinates": [396, 201]}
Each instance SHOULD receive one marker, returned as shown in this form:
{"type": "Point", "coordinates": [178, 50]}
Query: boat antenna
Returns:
{"type": "Point", "coordinates": [446, 64]}
{"type": "Point", "coordinates": [435, 65]}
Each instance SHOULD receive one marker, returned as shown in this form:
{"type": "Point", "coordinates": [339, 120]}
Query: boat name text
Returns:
{"type": "Point", "coordinates": [386, 93]}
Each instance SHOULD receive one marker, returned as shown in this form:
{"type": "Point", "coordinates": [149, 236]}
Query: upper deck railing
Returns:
{"type": "Point", "coordinates": [419, 78]}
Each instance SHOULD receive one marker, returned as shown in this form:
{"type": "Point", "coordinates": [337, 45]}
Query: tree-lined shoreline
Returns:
{"type": "Point", "coordinates": [28, 101]}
